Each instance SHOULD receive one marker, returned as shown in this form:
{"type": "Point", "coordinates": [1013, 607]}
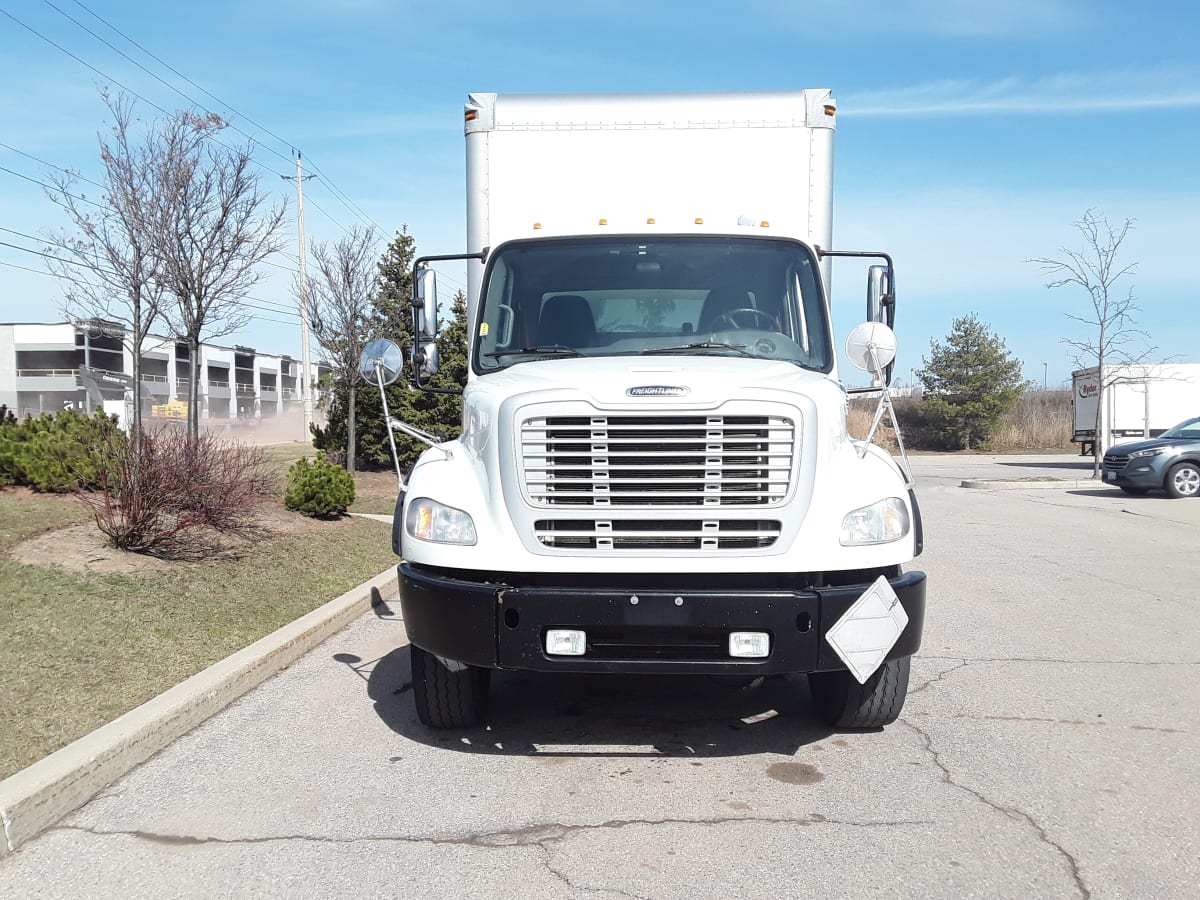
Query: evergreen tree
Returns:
{"type": "Point", "coordinates": [971, 382]}
{"type": "Point", "coordinates": [440, 414]}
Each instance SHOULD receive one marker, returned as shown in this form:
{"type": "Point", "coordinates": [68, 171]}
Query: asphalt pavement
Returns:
{"type": "Point", "coordinates": [1048, 748]}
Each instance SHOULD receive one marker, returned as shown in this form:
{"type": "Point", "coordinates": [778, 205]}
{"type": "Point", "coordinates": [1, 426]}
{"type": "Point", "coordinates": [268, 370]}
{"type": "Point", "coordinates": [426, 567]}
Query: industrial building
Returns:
{"type": "Point", "coordinates": [45, 367]}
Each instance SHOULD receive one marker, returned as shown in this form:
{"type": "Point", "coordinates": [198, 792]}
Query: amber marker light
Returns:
{"type": "Point", "coordinates": [472, 115]}
{"type": "Point", "coordinates": [764, 224]}
{"type": "Point", "coordinates": [537, 225]}
{"type": "Point", "coordinates": [699, 221]}
{"type": "Point", "coordinates": [604, 221]}
{"type": "Point", "coordinates": [650, 221]}
{"type": "Point", "coordinates": [830, 109]}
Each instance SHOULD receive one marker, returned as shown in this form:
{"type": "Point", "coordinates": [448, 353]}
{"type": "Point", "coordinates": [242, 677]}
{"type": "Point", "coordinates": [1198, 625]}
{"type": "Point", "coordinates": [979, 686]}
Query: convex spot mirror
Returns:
{"type": "Point", "coordinates": [425, 361]}
{"type": "Point", "coordinates": [381, 362]}
{"type": "Point", "coordinates": [871, 347]}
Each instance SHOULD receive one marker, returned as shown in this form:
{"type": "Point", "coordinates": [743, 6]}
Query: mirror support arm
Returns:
{"type": "Point", "coordinates": [387, 417]}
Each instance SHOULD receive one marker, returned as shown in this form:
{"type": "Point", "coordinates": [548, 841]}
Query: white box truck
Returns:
{"type": "Point", "coordinates": [1141, 401]}
{"type": "Point", "coordinates": [654, 473]}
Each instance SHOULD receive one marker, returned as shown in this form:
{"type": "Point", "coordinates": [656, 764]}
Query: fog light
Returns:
{"type": "Point", "coordinates": [749, 644]}
{"type": "Point", "coordinates": [565, 642]}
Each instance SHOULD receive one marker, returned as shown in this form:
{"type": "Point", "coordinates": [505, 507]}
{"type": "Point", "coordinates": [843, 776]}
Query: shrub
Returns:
{"type": "Point", "coordinates": [168, 496]}
{"type": "Point", "coordinates": [318, 488]}
{"type": "Point", "coordinates": [56, 451]}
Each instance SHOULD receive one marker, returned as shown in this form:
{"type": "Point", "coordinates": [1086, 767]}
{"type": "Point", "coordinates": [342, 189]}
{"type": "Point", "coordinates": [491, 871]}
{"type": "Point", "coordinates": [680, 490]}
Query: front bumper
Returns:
{"type": "Point", "coordinates": [682, 631]}
{"type": "Point", "coordinates": [1137, 473]}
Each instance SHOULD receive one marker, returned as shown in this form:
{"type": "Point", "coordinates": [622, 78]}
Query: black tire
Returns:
{"type": "Point", "coordinates": [1183, 480]}
{"type": "Point", "coordinates": [1134, 491]}
{"type": "Point", "coordinates": [844, 703]}
{"type": "Point", "coordinates": [449, 694]}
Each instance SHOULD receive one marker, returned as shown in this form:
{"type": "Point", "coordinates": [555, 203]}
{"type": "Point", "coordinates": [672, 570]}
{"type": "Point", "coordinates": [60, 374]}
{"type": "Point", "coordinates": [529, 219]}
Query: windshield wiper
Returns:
{"type": "Point", "coordinates": [549, 349]}
{"type": "Point", "coordinates": [700, 345]}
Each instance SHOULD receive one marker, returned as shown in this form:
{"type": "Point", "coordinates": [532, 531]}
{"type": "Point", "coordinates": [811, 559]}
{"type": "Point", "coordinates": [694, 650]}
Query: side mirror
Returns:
{"type": "Point", "coordinates": [425, 305]}
{"type": "Point", "coordinates": [879, 294]}
{"type": "Point", "coordinates": [425, 361]}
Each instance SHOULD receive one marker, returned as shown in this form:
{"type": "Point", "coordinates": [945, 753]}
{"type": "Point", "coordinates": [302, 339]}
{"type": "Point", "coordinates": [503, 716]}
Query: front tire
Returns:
{"type": "Point", "coordinates": [448, 693]}
{"type": "Point", "coordinates": [1183, 480]}
{"type": "Point", "coordinates": [844, 703]}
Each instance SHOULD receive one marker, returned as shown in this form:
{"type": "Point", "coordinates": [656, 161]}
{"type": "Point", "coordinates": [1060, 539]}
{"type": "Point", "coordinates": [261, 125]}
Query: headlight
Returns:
{"type": "Point", "coordinates": [878, 523]}
{"type": "Point", "coordinates": [428, 520]}
{"type": "Point", "coordinates": [1153, 451]}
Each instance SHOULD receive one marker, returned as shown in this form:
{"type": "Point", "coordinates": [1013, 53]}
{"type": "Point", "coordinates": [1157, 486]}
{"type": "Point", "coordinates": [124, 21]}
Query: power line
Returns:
{"type": "Point", "coordinates": [53, 187]}
{"type": "Point", "coordinates": [171, 68]}
{"type": "Point", "coordinates": [334, 189]}
{"type": "Point", "coordinates": [338, 194]}
{"type": "Point", "coordinates": [156, 76]}
{"type": "Point", "coordinates": [51, 165]}
{"type": "Point", "coordinates": [25, 268]}
{"type": "Point", "coordinates": [122, 86]}
{"type": "Point", "coordinates": [345, 201]}
{"type": "Point", "coordinates": [80, 265]}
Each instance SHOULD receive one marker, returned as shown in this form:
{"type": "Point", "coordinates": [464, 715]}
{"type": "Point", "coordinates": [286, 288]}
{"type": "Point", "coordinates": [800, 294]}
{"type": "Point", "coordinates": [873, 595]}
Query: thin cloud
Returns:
{"type": "Point", "coordinates": [1062, 93]}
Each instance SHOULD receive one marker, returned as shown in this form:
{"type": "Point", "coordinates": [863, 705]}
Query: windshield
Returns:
{"type": "Point", "coordinates": [1189, 429]}
{"type": "Point", "coordinates": [631, 296]}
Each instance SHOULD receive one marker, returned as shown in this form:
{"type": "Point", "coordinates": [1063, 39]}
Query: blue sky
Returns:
{"type": "Point", "coordinates": [970, 135]}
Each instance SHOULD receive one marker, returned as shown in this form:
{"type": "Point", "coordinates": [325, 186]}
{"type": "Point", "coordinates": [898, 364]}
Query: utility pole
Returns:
{"type": "Point", "coordinates": [306, 397]}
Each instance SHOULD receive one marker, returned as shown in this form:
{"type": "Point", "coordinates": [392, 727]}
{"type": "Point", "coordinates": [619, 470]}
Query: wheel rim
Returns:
{"type": "Point", "coordinates": [1186, 481]}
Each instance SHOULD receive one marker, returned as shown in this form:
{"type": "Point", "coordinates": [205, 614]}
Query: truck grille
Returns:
{"type": "Point", "coordinates": [656, 534]}
{"type": "Point", "coordinates": [660, 461]}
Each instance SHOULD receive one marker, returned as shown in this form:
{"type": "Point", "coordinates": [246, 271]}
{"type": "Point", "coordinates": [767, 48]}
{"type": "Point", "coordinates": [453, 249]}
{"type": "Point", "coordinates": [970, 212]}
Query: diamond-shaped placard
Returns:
{"type": "Point", "coordinates": [868, 630]}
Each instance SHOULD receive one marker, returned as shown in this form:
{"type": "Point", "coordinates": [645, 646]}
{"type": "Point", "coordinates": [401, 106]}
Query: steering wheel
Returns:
{"type": "Point", "coordinates": [756, 315]}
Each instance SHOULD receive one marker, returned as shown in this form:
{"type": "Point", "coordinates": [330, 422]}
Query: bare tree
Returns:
{"type": "Point", "coordinates": [340, 301]}
{"type": "Point", "coordinates": [212, 225]}
{"type": "Point", "coordinates": [1110, 343]}
{"type": "Point", "coordinates": [107, 265]}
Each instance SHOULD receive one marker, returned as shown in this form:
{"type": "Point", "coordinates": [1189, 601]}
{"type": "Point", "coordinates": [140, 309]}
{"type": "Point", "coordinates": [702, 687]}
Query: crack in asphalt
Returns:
{"type": "Point", "coordinates": [562, 876]}
{"type": "Point", "coordinates": [962, 664]}
{"type": "Point", "coordinates": [539, 835]}
{"type": "Point", "coordinates": [1012, 812]}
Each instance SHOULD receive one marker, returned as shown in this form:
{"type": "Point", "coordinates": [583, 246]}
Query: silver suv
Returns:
{"type": "Point", "coordinates": [1170, 461]}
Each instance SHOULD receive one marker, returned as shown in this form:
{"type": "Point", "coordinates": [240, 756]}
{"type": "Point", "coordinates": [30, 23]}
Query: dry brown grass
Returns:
{"type": "Point", "coordinates": [1041, 420]}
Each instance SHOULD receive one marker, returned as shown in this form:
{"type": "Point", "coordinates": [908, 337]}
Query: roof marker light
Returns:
{"type": "Point", "coordinates": [650, 221]}
{"type": "Point", "coordinates": [830, 109]}
{"type": "Point", "coordinates": [699, 221]}
{"type": "Point", "coordinates": [537, 225]}
{"type": "Point", "coordinates": [765, 224]}
{"type": "Point", "coordinates": [604, 221]}
{"type": "Point", "coordinates": [472, 115]}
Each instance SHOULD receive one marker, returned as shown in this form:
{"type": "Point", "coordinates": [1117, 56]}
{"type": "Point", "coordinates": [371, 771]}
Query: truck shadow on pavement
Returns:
{"type": "Point", "coordinates": [535, 714]}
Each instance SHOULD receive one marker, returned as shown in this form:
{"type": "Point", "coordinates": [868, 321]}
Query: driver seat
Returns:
{"type": "Point", "coordinates": [719, 302]}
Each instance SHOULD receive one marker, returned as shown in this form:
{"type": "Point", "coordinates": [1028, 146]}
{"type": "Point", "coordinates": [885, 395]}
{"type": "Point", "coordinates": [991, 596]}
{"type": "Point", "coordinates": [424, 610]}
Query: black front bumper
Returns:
{"type": "Point", "coordinates": [665, 631]}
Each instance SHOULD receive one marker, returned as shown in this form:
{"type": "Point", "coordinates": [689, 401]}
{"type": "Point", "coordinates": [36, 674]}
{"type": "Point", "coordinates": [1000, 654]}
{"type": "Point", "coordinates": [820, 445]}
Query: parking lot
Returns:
{"type": "Point", "coordinates": [1048, 748]}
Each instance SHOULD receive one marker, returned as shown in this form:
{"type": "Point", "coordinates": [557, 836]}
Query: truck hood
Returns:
{"type": "Point", "coordinates": [640, 382]}
{"type": "Point", "coordinates": [1152, 444]}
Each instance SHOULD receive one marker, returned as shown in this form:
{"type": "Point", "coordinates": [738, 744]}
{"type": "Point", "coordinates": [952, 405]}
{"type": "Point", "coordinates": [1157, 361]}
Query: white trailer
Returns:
{"type": "Point", "coordinates": [654, 474]}
{"type": "Point", "coordinates": [1141, 401]}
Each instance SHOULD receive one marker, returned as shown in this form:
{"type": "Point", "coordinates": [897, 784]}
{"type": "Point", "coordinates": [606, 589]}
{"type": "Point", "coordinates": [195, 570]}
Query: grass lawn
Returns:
{"type": "Point", "coordinates": [78, 648]}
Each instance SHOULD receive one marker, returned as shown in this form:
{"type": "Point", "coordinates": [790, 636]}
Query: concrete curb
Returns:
{"type": "Point", "coordinates": [38, 796]}
{"type": "Point", "coordinates": [1055, 484]}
